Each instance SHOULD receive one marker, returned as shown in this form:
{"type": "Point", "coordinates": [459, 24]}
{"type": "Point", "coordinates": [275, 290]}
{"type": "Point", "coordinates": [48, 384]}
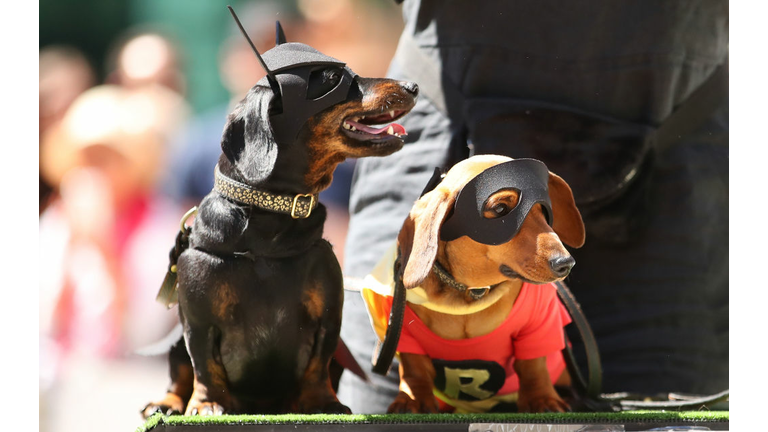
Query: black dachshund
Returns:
{"type": "Point", "coordinates": [260, 292]}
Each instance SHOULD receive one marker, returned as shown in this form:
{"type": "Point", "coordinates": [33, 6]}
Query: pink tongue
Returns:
{"type": "Point", "coordinates": [396, 128]}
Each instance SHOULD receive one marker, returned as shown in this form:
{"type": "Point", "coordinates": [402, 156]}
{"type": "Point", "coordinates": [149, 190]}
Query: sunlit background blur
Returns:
{"type": "Point", "coordinates": [133, 99]}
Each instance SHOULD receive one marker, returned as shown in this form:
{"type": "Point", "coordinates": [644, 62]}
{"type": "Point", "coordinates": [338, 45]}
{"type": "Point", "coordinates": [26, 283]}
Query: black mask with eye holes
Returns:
{"type": "Point", "coordinates": [529, 177]}
{"type": "Point", "coordinates": [308, 82]}
{"type": "Point", "coordinates": [304, 80]}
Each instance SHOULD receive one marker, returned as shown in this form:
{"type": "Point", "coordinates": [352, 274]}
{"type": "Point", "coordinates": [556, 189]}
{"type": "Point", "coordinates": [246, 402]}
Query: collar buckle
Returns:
{"type": "Point", "coordinates": [295, 207]}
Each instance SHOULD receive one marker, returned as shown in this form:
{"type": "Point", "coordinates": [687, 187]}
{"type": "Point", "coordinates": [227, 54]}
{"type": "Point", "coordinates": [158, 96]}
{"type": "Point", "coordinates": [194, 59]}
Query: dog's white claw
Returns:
{"type": "Point", "coordinates": [391, 130]}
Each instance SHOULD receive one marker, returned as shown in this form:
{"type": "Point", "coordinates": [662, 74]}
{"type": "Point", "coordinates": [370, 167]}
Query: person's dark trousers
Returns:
{"type": "Point", "coordinates": [657, 300]}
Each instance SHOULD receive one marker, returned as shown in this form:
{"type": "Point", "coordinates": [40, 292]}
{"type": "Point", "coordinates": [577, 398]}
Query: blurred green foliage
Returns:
{"type": "Point", "coordinates": [89, 25]}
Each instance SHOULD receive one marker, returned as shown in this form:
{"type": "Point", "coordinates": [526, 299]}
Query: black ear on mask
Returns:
{"type": "Point", "coordinates": [248, 141]}
{"type": "Point", "coordinates": [279, 34]}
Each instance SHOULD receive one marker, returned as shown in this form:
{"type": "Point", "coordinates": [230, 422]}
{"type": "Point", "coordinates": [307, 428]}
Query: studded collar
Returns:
{"type": "Point", "coordinates": [298, 206]}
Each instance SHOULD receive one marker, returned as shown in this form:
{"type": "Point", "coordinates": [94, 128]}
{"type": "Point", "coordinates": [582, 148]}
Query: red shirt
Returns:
{"type": "Point", "coordinates": [534, 328]}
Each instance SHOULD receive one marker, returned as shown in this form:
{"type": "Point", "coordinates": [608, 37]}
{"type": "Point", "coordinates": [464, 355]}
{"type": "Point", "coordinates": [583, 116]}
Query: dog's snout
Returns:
{"type": "Point", "coordinates": [562, 265]}
{"type": "Point", "coordinates": [410, 87]}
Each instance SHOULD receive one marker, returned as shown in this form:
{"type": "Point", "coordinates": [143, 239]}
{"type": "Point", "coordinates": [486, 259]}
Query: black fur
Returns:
{"type": "Point", "coordinates": [260, 293]}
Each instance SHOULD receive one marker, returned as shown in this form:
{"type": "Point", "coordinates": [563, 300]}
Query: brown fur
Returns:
{"type": "Point", "coordinates": [313, 302]}
{"type": "Point", "coordinates": [476, 264]}
{"type": "Point", "coordinates": [316, 388]}
{"type": "Point", "coordinates": [327, 148]}
{"type": "Point", "coordinates": [225, 301]}
{"type": "Point", "coordinates": [175, 401]}
{"type": "Point", "coordinates": [210, 399]}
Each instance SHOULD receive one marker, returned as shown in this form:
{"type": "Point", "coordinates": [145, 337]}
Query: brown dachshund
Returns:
{"type": "Point", "coordinates": [511, 274]}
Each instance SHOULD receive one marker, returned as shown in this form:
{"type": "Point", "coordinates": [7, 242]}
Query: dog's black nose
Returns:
{"type": "Point", "coordinates": [562, 265]}
{"type": "Point", "coordinates": [411, 87]}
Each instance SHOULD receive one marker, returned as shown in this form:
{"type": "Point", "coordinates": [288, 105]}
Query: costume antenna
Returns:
{"type": "Point", "coordinates": [253, 47]}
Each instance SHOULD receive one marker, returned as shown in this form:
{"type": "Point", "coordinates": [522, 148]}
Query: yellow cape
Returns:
{"type": "Point", "coordinates": [379, 287]}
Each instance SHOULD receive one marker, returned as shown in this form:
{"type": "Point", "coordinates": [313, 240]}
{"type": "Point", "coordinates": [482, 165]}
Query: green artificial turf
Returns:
{"type": "Point", "coordinates": [555, 418]}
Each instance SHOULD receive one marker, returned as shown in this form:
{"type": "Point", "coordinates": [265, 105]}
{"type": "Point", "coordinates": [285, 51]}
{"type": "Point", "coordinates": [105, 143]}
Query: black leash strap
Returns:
{"type": "Point", "coordinates": [388, 347]}
{"type": "Point", "coordinates": [591, 388]}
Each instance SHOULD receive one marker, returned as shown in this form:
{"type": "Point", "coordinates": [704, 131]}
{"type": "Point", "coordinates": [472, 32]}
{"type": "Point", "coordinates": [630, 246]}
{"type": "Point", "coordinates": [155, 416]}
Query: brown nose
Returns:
{"type": "Point", "coordinates": [410, 87]}
{"type": "Point", "coordinates": [562, 265]}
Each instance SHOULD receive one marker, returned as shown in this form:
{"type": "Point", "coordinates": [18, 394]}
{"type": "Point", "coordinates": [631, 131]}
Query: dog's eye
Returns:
{"type": "Point", "coordinates": [496, 210]}
{"type": "Point", "coordinates": [500, 204]}
{"type": "Point", "coordinates": [500, 209]}
{"type": "Point", "coordinates": [322, 81]}
{"type": "Point", "coordinates": [332, 76]}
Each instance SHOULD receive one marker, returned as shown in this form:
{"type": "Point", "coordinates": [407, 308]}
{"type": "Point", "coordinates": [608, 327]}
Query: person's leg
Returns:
{"type": "Point", "coordinates": [658, 305]}
{"type": "Point", "coordinates": [375, 396]}
{"type": "Point", "coordinates": [383, 191]}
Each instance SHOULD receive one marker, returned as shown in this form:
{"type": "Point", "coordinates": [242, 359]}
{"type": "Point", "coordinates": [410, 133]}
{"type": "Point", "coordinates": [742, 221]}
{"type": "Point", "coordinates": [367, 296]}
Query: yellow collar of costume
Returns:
{"type": "Point", "coordinates": [382, 281]}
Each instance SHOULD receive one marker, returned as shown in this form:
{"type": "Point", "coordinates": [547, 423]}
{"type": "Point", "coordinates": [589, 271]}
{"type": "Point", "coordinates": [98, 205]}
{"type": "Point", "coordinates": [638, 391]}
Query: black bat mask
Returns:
{"type": "Point", "coordinates": [529, 177]}
{"type": "Point", "coordinates": [290, 68]}
{"type": "Point", "coordinates": [293, 64]}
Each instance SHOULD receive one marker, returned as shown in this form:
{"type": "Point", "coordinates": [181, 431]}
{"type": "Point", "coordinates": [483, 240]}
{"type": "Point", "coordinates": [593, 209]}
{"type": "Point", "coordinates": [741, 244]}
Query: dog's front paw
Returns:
{"type": "Point", "coordinates": [170, 405]}
{"type": "Point", "coordinates": [542, 404]}
{"type": "Point", "coordinates": [204, 408]}
{"type": "Point", "coordinates": [405, 404]}
{"type": "Point", "coordinates": [336, 408]}
{"type": "Point", "coordinates": [320, 401]}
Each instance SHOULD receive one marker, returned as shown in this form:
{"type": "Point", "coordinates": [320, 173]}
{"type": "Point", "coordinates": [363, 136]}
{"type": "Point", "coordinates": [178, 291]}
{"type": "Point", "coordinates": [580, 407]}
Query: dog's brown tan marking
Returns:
{"type": "Point", "coordinates": [313, 302]}
{"type": "Point", "coordinates": [170, 404]}
{"type": "Point", "coordinates": [203, 396]}
{"type": "Point", "coordinates": [217, 373]}
{"type": "Point", "coordinates": [317, 393]}
{"type": "Point", "coordinates": [224, 302]}
{"type": "Point", "coordinates": [330, 145]}
{"type": "Point", "coordinates": [180, 390]}
{"type": "Point", "coordinates": [175, 400]}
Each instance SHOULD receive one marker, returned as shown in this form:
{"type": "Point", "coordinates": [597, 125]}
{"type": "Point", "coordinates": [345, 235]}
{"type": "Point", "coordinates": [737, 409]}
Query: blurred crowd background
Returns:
{"type": "Point", "coordinates": [133, 100]}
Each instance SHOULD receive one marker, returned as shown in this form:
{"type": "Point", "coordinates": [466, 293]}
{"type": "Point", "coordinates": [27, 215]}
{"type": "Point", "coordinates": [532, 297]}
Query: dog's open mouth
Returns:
{"type": "Point", "coordinates": [375, 127]}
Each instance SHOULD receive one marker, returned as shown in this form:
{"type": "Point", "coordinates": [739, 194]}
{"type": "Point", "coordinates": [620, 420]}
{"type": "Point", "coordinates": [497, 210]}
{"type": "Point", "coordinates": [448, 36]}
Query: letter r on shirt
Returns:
{"type": "Point", "coordinates": [473, 379]}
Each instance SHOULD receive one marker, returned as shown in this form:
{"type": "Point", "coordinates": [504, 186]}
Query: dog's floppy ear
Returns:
{"type": "Point", "coordinates": [417, 241]}
{"type": "Point", "coordinates": [248, 141]}
{"type": "Point", "coordinates": [566, 219]}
